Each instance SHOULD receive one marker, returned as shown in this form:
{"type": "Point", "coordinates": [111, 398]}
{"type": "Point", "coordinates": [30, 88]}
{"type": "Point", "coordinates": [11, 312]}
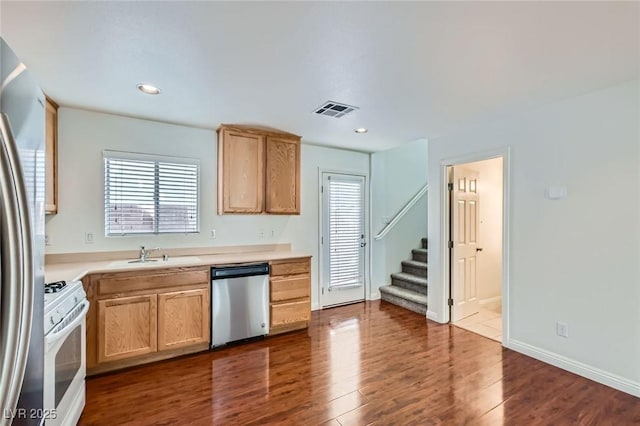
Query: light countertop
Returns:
{"type": "Point", "coordinates": [77, 270]}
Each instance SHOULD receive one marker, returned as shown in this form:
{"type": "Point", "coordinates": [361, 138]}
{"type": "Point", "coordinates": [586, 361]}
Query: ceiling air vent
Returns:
{"type": "Point", "coordinates": [335, 109]}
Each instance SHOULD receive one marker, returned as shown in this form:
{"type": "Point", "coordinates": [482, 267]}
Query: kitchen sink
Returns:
{"type": "Point", "coordinates": [178, 260]}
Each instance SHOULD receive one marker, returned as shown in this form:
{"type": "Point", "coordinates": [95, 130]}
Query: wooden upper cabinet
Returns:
{"type": "Point", "coordinates": [258, 171]}
{"type": "Point", "coordinates": [51, 157]}
{"type": "Point", "coordinates": [240, 172]}
{"type": "Point", "coordinates": [282, 184]}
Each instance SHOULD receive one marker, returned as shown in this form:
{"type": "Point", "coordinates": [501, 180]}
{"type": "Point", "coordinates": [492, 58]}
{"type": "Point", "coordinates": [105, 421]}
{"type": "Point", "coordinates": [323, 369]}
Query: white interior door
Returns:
{"type": "Point", "coordinates": [343, 238]}
{"type": "Point", "coordinates": [464, 265]}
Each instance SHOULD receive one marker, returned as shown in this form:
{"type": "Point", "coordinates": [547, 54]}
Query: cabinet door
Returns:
{"type": "Point", "coordinates": [183, 318]}
{"type": "Point", "coordinates": [240, 172]}
{"type": "Point", "coordinates": [127, 327]}
{"type": "Point", "coordinates": [51, 158]}
{"type": "Point", "coordinates": [282, 188]}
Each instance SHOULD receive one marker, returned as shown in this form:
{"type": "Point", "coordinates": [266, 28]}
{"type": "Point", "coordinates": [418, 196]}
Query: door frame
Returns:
{"type": "Point", "coordinates": [367, 239]}
{"type": "Point", "coordinates": [505, 153]}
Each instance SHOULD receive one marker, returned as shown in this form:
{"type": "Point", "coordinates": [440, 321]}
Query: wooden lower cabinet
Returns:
{"type": "Point", "coordinates": [151, 315]}
{"type": "Point", "coordinates": [290, 295]}
{"type": "Point", "coordinates": [289, 288]}
{"type": "Point", "coordinates": [127, 327]}
{"type": "Point", "coordinates": [183, 318]}
{"type": "Point", "coordinates": [289, 313]}
{"type": "Point", "coordinates": [139, 317]}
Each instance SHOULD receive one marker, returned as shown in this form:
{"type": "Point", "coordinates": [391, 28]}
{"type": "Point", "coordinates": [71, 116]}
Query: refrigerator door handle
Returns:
{"type": "Point", "coordinates": [16, 297]}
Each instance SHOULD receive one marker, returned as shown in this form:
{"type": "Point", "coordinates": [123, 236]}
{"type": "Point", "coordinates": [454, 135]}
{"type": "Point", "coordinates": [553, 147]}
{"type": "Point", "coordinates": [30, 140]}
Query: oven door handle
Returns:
{"type": "Point", "coordinates": [51, 338]}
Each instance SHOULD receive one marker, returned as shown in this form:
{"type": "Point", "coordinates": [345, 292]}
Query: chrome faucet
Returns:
{"type": "Point", "coordinates": [144, 253]}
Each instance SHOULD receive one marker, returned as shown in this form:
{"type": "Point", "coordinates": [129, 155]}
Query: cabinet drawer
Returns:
{"type": "Point", "coordinates": [293, 287]}
{"type": "Point", "coordinates": [290, 268]}
{"type": "Point", "coordinates": [120, 284]}
{"type": "Point", "coordinates": [290, 312]}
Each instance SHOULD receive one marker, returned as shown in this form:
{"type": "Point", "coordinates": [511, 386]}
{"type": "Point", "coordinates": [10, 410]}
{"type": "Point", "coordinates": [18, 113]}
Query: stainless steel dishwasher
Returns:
{"type": "Point", "coordinates": [239, 302]}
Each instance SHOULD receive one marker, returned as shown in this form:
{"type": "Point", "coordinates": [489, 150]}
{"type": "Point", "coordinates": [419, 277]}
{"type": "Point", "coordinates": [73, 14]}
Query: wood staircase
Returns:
{"type": "Point", "coordinates": [408, 288]}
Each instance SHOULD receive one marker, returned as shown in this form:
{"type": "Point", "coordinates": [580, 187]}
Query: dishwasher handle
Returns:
{"type": "Point", "coordinates": [239, 271]}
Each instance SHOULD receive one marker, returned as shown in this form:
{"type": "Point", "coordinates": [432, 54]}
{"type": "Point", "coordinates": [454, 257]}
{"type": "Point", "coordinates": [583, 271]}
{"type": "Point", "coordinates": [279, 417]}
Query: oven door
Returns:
{"type": "Point", "coordinates": [65, 368]}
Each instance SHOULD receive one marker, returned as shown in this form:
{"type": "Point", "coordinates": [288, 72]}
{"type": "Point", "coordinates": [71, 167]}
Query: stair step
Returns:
{"type": "Point", "coordinates": [409, 282]}
{"type": "Point", "coordinates": [415, 268]}
{"type": "Point", "coordinates": [404, 298]}
{"type": "Point", "coordinates": [419, 255]}
{"type": "Point", "coordinates": [424, 243]}
{"type": "Point", "coordinates": [411, 278]}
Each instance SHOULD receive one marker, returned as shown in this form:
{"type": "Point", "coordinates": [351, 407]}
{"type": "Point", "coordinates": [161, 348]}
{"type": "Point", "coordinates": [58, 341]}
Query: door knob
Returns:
{"type": "Point", "coordinates": [362, 244]}
{"type": "Point", "coordinates": [478, 249]}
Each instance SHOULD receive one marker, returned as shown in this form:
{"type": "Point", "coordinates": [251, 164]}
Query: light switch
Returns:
{"type": "Point", "coordinates": [557, 192]}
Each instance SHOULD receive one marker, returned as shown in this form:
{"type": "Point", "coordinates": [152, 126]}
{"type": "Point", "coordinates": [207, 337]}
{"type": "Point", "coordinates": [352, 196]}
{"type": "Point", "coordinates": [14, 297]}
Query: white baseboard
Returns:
{"type": "Point", "coordinates": [491, 300]}
{"type": "Point", "coordinates": [579, 368]}
{"type": "Point", "coordinates": [374, 296]}
{"type": "Point", "coordinates": [315, 307]}
{"type": "Point", "coordinates": [433, 316]}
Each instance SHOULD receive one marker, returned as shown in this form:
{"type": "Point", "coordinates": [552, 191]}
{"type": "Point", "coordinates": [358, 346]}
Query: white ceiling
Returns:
{"type": "Point", "coordinates": [415, 69]}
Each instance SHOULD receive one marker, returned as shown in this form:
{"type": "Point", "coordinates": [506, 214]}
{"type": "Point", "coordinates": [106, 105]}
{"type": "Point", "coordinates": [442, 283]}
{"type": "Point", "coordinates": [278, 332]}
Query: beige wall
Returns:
{"type": "Point", "coordinates": [396, 176]}
{"type": "Point", "coordinates": [573, 260]}
{"type": "Point", "coordinates": [83, 135]}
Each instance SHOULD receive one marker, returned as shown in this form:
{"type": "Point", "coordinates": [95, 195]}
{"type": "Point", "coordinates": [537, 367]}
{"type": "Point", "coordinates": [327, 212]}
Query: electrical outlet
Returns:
{"type": "Point", "coordinates": [273, 232]}
{"type": "Point", "coordinates": [88, 237]}
{"type": "Point", "coordinates": [562, 329]}
{"type": "Point", "coordinates": [47, 240]}
{"type": "Point", "coordinates": [261, 234]}
{"type": "Point", "coordinates": [213, 234]}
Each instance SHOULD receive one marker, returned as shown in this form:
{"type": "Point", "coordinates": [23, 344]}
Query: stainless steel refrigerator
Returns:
{"type": "Point", "coordinates": [22, 197]}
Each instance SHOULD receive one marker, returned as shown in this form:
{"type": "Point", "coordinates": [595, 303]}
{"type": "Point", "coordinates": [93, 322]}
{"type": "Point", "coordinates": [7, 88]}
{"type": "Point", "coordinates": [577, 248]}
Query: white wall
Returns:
{"type": "Point", "coordinates": [83, 135]}
{"type": "Point", "coordinates": [574, 260]}
{"type": "Point", "coordinates": [396, 176]}
{"type": "Point", "coordinates": [490, 227]}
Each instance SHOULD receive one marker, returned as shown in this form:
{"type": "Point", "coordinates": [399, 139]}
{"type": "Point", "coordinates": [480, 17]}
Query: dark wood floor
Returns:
{"type": "Point", "coordinates": [370, 363]}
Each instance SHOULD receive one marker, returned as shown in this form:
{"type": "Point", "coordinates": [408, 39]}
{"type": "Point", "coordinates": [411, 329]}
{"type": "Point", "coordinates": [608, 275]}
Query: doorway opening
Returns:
{"type": "Point", "coordinates": [476, 219]}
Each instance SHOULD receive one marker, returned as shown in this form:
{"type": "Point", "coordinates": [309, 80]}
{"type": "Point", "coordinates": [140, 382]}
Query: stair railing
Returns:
{"type": "Point", "coordinates": [402, 212]}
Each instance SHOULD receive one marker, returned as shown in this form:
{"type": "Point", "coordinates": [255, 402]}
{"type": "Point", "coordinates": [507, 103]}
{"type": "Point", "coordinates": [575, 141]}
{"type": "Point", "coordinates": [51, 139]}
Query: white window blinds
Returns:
{"type": "Point", "coordinates": [346, 230]}
{"type": "Point", "coordinates": [145, 194]}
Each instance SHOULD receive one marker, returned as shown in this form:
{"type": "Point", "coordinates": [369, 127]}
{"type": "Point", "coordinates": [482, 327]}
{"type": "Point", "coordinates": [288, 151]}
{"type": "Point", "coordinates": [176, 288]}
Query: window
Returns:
{"type": "Point", "coordinates": [146, 194]}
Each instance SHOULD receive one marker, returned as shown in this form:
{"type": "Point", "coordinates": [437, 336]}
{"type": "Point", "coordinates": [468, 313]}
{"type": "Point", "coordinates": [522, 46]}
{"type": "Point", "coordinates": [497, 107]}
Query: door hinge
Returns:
{"type": "Point", "coordinates": [321, 240]}
{"type": "Point", "coordinates": [321, 189]}
{"type": "Point", "coordinates": [450, 302]}
{"type": "Point", "coordinates": [450, 186]}
{"type": "Point", "coordinates": [450, 244]}
{"type": "Point", "coordinates": [322, 290]}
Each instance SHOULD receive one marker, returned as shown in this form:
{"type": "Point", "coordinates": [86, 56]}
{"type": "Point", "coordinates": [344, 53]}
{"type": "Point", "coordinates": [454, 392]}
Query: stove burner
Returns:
{"type": "Point", "coordinates": [55, 287]}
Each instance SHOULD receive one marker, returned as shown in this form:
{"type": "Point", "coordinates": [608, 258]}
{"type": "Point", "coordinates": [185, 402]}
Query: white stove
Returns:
{"type": "Point", "coordinates": [65, 311]}
{"type": "Point", "coordinates": [59, 300]}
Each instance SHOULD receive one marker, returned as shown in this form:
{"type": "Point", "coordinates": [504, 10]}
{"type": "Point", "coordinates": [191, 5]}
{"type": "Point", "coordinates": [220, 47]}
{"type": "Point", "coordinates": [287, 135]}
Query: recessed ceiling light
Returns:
{"type": "Point", "coordinates": [360, 130]}
{"type": "Point", "coordinates": [148, 89]}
